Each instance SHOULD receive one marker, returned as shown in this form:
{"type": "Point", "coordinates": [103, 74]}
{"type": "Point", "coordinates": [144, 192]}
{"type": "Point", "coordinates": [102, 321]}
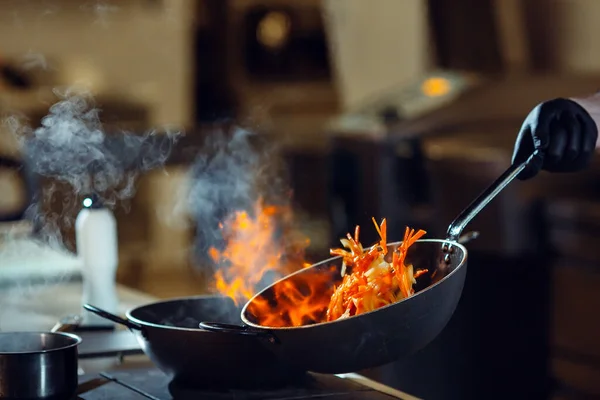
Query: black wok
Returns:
{"type": "Point", "coordinates": [389, 333]}
{"type": "Point", "coordinates": [169, 335]}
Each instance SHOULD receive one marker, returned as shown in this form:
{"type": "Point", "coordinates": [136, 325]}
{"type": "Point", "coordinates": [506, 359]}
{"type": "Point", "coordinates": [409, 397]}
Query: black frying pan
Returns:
{"type": "Point", "coordinates": [168, 333]}
{"type": "Point", "coordinates": [388, 333]}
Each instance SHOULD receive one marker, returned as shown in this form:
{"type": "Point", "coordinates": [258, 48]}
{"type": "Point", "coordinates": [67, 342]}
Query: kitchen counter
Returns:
{"type": "Point", "coordinates": [40, 306]}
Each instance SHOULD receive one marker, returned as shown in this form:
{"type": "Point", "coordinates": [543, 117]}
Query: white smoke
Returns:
{"type": "Point", "coordinates": [73, 151]}
{"type": "Point", "coordinates": [32, 60]}
{"type": "Point", "coordinates": [79, 158]}
{"type": "Point", "coordinates": [101, 11]}
{"type": "Point", "coordinates": [71, 148]}
{"type": "Point", "coordinates": [221, 180]}
{"type": "Point", "coordinates": [231, 172]}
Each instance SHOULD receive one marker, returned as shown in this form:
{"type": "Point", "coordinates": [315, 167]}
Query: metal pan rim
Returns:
{"type": "Point", "coordinates": [75, 341]}
{"type": "Point", "coordinates": [147, 324]}
{"type": "Point", "coordinates": [250, 324]}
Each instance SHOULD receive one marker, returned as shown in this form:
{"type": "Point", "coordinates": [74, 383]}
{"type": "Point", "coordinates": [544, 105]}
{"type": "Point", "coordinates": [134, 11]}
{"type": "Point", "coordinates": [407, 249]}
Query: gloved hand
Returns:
{"type": "Point", "coordinates": [563, 132]}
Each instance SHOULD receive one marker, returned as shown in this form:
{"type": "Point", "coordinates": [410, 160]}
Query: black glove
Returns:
{"type": "Point", "coordinates": [563, 132]}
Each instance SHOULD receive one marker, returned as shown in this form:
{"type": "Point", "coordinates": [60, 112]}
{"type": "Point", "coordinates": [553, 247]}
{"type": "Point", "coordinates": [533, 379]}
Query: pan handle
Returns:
{"type": "Point", "coordinates": [112, 317]}
{"type": "Point", "coordinates": [237, 330]}
{"type": "Point", "coordinates": [460, 222]}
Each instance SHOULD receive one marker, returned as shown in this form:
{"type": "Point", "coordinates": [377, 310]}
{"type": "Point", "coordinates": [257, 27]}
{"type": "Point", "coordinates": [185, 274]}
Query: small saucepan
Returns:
{"type": "Point", "coordinates": [40, 365]}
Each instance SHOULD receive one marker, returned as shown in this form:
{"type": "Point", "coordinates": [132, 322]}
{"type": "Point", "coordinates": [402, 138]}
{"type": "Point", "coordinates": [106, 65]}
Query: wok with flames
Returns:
{"type": "Point", "coordinates": [370, 339]}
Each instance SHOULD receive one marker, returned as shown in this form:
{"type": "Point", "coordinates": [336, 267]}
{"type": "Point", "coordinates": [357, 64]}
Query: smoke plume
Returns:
{"type": "Point", "coordinates": [223, 179]}
{"type": "Point", "coordinates": [71, 148]}
{"type": "Point", "coordinates": [234, 170]}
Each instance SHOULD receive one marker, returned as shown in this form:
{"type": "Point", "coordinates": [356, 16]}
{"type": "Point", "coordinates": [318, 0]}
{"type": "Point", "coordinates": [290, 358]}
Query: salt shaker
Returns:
{"type": "Point", "coordinates": [97, 248]}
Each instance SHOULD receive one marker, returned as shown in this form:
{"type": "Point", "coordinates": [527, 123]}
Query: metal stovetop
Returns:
{"type": "Point", "coordinates": [129, 375]}
{"type": "Point", "coordinates": [150, 383]}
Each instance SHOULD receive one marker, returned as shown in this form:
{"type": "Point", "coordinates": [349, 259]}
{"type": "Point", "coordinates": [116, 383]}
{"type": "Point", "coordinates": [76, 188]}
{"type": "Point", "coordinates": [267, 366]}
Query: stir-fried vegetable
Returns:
{"type": "Point", "coordinates": [373, 281]}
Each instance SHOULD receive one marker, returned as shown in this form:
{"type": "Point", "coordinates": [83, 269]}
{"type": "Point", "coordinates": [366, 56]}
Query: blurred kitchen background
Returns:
{"type": "Point", "coordinates": [403, 109]}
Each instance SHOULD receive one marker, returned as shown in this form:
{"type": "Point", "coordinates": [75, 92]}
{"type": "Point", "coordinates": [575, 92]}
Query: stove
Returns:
{"type": "Point", "coordinates": [129, 374]}
{"type": "Point", "coordinates": [151, 383]}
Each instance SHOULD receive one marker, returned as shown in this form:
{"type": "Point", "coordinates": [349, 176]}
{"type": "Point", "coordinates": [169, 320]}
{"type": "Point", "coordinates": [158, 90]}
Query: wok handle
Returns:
{"type": "Point", "coordinates": [112, 317]}
{"type": "Point", "coordinates": [237, 330]}
{"type": "Point", "coordinates": [460, 222]}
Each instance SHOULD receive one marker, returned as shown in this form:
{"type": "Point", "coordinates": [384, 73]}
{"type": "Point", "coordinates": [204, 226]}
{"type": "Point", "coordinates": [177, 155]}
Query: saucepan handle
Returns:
{"type": "Point", "coordinates": [237, 330]}
{"type": "Point", "coordinates": [112, 317]}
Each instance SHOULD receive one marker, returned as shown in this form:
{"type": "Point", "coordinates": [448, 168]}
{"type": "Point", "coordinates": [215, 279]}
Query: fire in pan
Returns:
{"type": "Point", "coordinates": [372, 338]}
{"type": "Point", "coordinates": [251, 348]}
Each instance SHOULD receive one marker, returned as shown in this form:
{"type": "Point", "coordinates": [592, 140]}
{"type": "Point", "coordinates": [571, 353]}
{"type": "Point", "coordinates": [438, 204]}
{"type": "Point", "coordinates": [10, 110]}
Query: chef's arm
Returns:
{"type": "Point", "coordinates": [591, 104]}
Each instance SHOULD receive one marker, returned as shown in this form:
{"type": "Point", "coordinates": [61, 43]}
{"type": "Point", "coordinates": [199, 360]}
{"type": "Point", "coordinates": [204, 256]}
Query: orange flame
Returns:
{"type": "Point", "coordinates": [321, 294]}
{"type": "Point", "coordinates": [299, 300]}
{"type": "Point", "coordinates": [254, 247]}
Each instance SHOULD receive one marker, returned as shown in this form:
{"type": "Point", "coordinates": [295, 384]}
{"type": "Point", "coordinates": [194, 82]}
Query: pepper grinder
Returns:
{"type": "Point", "coordinates": [97, 248]}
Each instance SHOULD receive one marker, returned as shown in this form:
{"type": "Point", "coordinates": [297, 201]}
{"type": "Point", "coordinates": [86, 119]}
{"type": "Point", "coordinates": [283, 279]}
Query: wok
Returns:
{"type": "Point", "coordinates": [384, 335]}
{"type": "Point", "coordinates": [168, 333]}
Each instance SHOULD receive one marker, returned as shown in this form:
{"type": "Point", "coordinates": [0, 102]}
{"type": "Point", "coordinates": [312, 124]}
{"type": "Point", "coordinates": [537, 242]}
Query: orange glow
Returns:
{"type": "Point", "coordinates": [254, 247]}
{"type": "Point", "coordinates": [327, 293]}
{"type": "Point", "coordinates": [434, 87]}
{"type": "Point", "coordinates": [299, 300]}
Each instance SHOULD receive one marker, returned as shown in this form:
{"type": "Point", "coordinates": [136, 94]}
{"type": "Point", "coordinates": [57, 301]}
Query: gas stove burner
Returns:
{"type": "Point", "coordinates": [151, 383]}
{"type": "Point", "coordinates": [306, 387]}
{"type": "Point", "coordinates": [184, 390]}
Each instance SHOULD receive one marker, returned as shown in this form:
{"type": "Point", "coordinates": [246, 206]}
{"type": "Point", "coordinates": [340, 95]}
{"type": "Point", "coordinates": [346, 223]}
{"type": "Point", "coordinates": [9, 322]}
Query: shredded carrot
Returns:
{"type": "Point", "coordinates": [373, 282]}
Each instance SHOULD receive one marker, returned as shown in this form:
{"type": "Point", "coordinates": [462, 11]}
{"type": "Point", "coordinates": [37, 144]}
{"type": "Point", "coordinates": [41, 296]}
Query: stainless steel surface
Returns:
{"type": "Point", "coordinates": [460, 222]}
{"type": "Point", "coordinates": [150, 383]}
{"type": "Point", "coordinates": [507, 223]}
{"type": "Point", "coordinates": [48, 357]}
{"type": "Point", "coordinates": [38, 365]}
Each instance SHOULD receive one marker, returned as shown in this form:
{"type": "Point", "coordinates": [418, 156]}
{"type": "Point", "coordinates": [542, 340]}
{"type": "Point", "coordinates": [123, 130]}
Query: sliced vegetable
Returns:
{"type": "Point", "coordinates": [373, 281]}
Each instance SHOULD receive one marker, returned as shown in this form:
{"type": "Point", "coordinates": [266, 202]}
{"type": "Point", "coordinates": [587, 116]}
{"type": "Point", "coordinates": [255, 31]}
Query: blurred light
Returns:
{"type": "Point", "coordinates": [435, 87]}
{"type": "Point", "coordinates": [87, 202]}
{"type": "Point", "coordinates": [274, 29]}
